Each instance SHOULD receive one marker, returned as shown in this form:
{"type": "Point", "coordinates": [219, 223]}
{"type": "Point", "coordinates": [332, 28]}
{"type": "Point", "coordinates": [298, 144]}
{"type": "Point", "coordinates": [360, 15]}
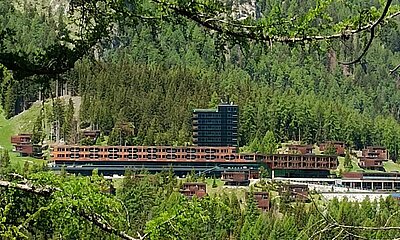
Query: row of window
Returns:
{"type": "Point", "coordinates": [277, 160]}
{"type": "Point", "coordinates": [214, 121]}
{"type": "Point", "coordinates": [214, 115]}
{"type": "Point", "coordinates": [148, 150]}
{"type": "Point", "coordinates": [215, 139]}
{"type": "Point", "coordinates": [227, 109]}
{"type": "Point", "coordinates": [216, 133]}
{"type": "Point", "coordinates": [148, 156]}
{"type": "Point", "coordinates": [215, 128]}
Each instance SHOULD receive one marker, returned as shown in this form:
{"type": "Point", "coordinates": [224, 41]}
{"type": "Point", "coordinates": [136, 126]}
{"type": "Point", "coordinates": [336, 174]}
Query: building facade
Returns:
{"type": "Point", "coordinates": [294, 192]}
{"type": "Point", "coordinates": [209, 160]}
{"type": "Point", "coordinates": [299, 149]}
{"type": "Point", "coordinates": [339, 147]}
{"type": "Point", "coordinates": [216, 127]}
{"type": "Point", "coordinates": [23, 144]}
{"type": "Point", "coordinates": [190, 189]}
{"type": "Point", "coordinates": [236, 178]}
{"type": "Point", "coordinates": [262, 199]}
{"type": "Point", "coordinates": [373, 157]}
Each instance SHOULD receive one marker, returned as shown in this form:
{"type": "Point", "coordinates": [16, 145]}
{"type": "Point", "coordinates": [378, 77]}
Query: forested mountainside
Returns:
{"type": "Point", "coordinates": [152, 77]}
{"type": "Point", "coordinates": [141, 87]}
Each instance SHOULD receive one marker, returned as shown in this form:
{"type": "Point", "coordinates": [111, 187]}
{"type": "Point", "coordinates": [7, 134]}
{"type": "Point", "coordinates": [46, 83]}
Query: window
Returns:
{"type": "Point", "coordinates": [132, 150]}
{"type": "Point", "coordinates": [132, 156]}
{"type": "Point", "coordinates": [152, 150]}
{"type": "Point", "coordinates": [171, 156]}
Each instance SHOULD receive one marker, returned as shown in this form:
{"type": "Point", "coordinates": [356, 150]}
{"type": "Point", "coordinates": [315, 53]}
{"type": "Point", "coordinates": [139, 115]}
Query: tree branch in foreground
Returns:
{"type": "Point", "coordinates": [372, 34]}
{"type": "Point", "coordinates": [394, 69]}
{"type": "Point", "coordinates": [332, 223]}
{"type": "Point", "coordinates": [93, 217]}
{"type": "Point", "coordinates": [104, 225]}
{"type": "Point", "coordinates": [42, 191]}
{"type": "Point", "coordinates": [242, 31]}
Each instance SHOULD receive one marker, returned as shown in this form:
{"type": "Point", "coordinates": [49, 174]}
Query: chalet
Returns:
{"type": "Point", "coordinates": [373, 157]}
{"type": "Point", "coordinates": [295, 192]}
{"type": "Point", "coordinates": [91, 134]}
{"type": "Point", "coordinates": [375, 152]}
{"type": "Point", "coordinates": [299, 149]}
{"type": "Point", "coordinates": [236, 178]}
{"type": "Point", "coordinates": [23, 145]}
{"type": "Point", "coordinates": [338, 145]}
{"type": "Point", "coordinates": [23, 138]}
{"type": "Point", "coordinates": [263, 200]}
{"type": "Point", "coordinates": [254, 174]}
{"type": "Point", "coordinates": [371, 163]}
{"type": "Point", "coordinates": [190, 189]}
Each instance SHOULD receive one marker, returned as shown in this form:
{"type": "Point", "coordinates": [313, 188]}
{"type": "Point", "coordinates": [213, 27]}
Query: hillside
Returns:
{"type": "Point", "coordinates": [150, 79]}
{"type": "Point", "coordinates": [22, 123]}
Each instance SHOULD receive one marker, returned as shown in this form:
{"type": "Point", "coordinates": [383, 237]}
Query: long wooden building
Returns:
{"type": "Point", "coordinates": [209, 160]}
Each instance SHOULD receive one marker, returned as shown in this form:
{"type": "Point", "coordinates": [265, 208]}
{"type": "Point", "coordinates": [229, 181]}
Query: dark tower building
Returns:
{"type": "Point", "coordinates": [216, 127]}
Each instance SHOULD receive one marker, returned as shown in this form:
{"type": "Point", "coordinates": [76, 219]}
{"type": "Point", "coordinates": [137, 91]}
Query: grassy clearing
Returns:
{"type": "Point", "coordinates": [354, 165]}
{"type": "Point", "coordinates": [23, 122]}
{"type": "Point", "coordinates": [391, 166]}
{"type": "Point", "coordinates": [19, 124]}
{"type": "Point", "coordinates": [6, 131]}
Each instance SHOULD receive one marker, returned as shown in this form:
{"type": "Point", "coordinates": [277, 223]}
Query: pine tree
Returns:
{"type": "Point", "coordinates": [330, 150]}
{"type": "Point", "coordinates": [192, 177]}
{"type": "Point", "coordinates": [26, 169]}
{"type": "Point", "coordinates": [255, 145]}
{"type": "Point", "coordinates": [214, 183]}
{"type": "Point", "coordinates": [68, 126]}
{"type": "Point", "coordinates": [347, 161]}
{"type": "Point", "coordinates": [9, 102]}
{"type": "Point", "coordinates": [63, 172]}
{"type": "Point", "coordinates": [214, 101]}
{"type": "Point", "coordinates": [251, 211]}
{"type": "Point", "coordinates": [269, 144]}
{"type": "Point", "coordinates": [37, 132]}
{"type": "Point", "coordinates": [5, 160]}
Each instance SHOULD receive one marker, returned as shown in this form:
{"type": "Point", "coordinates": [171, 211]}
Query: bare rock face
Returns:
{"type": "Point", "coordinates": [242, 9]}
{"type": "Point", "coordinates": [46, 6]}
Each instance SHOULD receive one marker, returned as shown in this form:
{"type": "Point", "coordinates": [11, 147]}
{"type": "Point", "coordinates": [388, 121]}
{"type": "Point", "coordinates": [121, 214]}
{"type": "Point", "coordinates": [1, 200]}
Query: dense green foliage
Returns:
{"type": "Point", "coordinates": [150, 204]}
{"type": "Point", "coordinates": [170, 94]}
{"type": "Point", "coordinates": [150, 78]}
{"type": "Point", "coordinates": [143, 87]}
{"type": "Point", "coordinates": [298, 93]}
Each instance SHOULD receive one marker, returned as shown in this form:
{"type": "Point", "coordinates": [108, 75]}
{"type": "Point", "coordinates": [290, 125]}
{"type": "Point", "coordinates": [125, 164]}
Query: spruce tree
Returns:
{"type": "Point", "coordinates": [255, 145]}
{"type": "Point", "coordinates": [5, 160]}
{"type": "Point", "coordinates": [214, 183]}
{"type": "Point", "coordinates": [347, 161]}
{"type": "Point", "coordinates": [214, 101]}
{"type": "Point", "coordinates": [269, 144]}
{"type": "Point", "coordinates": [26, 169]}
{"type": "Point", "coordinates": [69, 124]}
{"type": "Point", "coordinates": [9, 102]}
{"type": "Point", "coordinates": [37, 133]}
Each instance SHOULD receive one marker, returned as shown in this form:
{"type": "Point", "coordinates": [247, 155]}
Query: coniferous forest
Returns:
{"type": "Point", "coordinates": [152, 78]}
{"type": "Point", "coordinates": [139, 86]}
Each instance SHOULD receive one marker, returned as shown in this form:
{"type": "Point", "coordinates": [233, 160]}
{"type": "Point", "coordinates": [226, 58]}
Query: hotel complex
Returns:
{"type": "Point", "coordinates": [215, 153]}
